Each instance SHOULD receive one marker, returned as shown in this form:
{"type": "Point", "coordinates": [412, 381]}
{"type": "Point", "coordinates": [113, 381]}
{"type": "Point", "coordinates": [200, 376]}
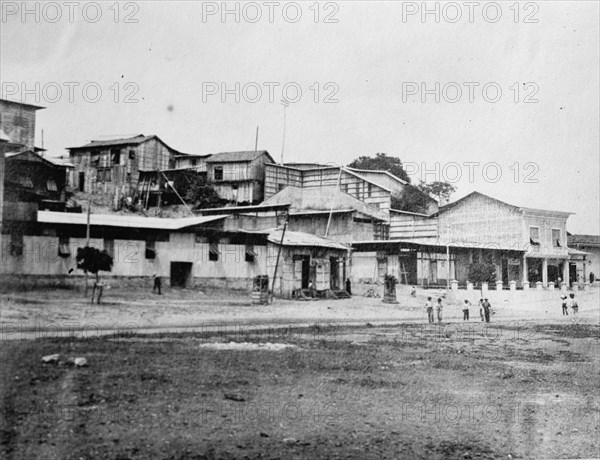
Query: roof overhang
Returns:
{"type": "Point", "coordinates": [242, 209]}
{"type": "Point", "coordinates": [421, 244]}
{"type": "Point", "coordinates": [124, 221]}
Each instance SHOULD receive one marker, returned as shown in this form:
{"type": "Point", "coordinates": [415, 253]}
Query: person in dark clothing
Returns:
{"type": "Point", "coordinates": [486, 310]}
{"type": "Point", "coordinates": [348, 286]}
{"type": "Point", "coordinates": [565, 310]}
{"type": "Point", "coordinates": [157, 284]}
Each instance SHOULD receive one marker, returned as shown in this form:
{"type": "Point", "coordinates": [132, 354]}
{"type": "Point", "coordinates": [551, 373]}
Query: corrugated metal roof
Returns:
{"type": "Point", "coordinates": [323, 198]}
{"type": "Point", "coordinates": [135, 140]}
{"type": "Point", "coordinates": [116, 220]}
{"type": "Point", "coordinates": [234, 157]}
{"type": "Point", "coordinates": [590, 240]}
{"type": "Point", "coordinates": [301, 239]}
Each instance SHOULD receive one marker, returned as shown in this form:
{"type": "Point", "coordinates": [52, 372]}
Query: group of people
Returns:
{"type": "Point", "coordinates": [485, 309]}
{"type": "Point", "coordinates": [570, 302]}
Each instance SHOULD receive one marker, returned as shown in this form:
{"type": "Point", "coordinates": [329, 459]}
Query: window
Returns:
{"type": "Point", "coordinates": [369, 190]}
{"type": "Point", "coordinates": [213, 250]}
{"type": "Point", "coordinates": [132, 155]}
{"type": "Point", "coordinates": [218, 172]}
{"type": "Point", "coordinates": [280, 187]}
{"type": "Point", "coordinates": [115, 156]}
{"type": "Point", "coordinates": [128, 177]}
{"type": "Point", "coordinates": [51, 185]}
{"type": "Point", "coordinates": [534, 235]}
{"type": "Point", "coordinates": [104, 175]}
{"type": "Point", "coordinates": [109, 247]}
{"type": "Point", "coordinates": [250, 254]}
{"type": "Point", "coordinates": [150, 252]}
{"type": "Point", "coordinates": [63, 246]}
{"type": "Point", "coordinates": [16, 243]}
{"type": "Point", "coordinates": [556, 239]}
{"type": "Point", "coordinates": [193, 162]}
{"type": "Point", "coordinates": [25, 181]}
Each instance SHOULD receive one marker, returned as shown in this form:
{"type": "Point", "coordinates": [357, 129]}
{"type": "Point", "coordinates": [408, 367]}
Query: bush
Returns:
{"type": "Point", "coordinates": [482, 273]}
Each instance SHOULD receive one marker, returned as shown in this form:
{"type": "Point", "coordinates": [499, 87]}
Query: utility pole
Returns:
{"type": "Point", "coordinates": [87, 242]}
{"type": "Point", "coordinates": [278, 256]}
{"type": "Point", "coordinates": [447, 257]}
{"type": "Point", "coordinates": [285, 104]}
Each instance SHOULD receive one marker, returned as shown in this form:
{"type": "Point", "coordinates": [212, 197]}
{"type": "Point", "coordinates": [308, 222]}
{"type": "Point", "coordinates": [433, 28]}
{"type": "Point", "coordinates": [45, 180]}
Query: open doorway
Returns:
{"type": "Point", "coordinates": [334, 273]}
{"type": "Point", "coordinates": [181, 274]}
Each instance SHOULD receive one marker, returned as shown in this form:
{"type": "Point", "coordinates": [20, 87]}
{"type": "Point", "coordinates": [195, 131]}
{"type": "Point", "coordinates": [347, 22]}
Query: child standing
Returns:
{"type": "Point", "coordinates": [429, 308]}
{"type": "Point", "coordinates": [565, 309]}
{"type": "Point", "coordinates": [439, 307]}
{"type": "Point", "coordinates": [574, 307]}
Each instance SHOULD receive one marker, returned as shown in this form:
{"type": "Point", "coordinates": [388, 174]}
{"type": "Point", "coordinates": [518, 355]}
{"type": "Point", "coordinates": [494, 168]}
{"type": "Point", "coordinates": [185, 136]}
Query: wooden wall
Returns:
{"type": "Point", "coordinates": [406, 226]}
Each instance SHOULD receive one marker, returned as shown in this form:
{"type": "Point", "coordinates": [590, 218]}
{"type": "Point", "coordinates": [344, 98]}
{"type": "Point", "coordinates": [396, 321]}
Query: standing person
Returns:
{"type": "Point", "coordinates": [486, 309]}
{"type": "Point", "coordinates": [312, 290]}
{"type": "Point", "coordinates": [157, 284]}
{"type": "Point", "coordinates": [565, 309]}
{"type": "Point", "coordinates": [348, 286]}
{"type": "Point", "coordinates": [481, 309]}
{"type": "Point", "coordinates": [439, 307]}
{"type": "Point", "coordinates": [466, 310]}
{"type": "Point", "coordinates": [413, 291]}
{"type": "Point", "coordinates": [429, 308]}
{"type": "Point", "coordinates": [574, 307]}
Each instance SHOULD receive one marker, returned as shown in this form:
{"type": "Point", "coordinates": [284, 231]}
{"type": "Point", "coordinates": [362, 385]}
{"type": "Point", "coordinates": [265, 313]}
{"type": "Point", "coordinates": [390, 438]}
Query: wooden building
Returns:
{"type": "Point", "coordinates": [541, 235]}
{"type": "Point", "coordinates": [588, 261]}
{"type": "Point", "coordinates": [238, 177]}
{"type": "Point", "coordinates": [18, 124]}
{"type": "Point", "coordinates": [113, 166]}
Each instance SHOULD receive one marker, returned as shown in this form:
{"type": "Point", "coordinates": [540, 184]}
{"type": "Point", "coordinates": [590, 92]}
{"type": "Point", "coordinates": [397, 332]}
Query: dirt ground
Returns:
{"type": "Point", "coordinates": [407, 391]}
{"type": "Point", "coordinates": [524, 386]}
{"type": "Point", "coordinates": [49, 313]}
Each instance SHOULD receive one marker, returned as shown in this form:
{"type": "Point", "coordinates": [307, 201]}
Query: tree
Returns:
{"type": "Point", "coordinates": [382, 162]}
{"type": "Point", "coordinates": [411, 200]}
{"type": "Point", "coordinates": [93, 260]}
{"type": "Point", "coordinates": [194, 190]}
{"type": "Point", "coordinates": [441, 190]}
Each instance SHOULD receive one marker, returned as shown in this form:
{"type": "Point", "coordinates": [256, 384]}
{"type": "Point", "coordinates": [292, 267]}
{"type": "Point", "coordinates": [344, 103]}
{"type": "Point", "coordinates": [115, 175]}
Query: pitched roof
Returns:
{"type": "Point", "coordinates": [586, 240]}
{"type": "Point", "coordinates": [135, 140]}
{"type": "Point", "coordinates": [36, 107]}
{"type": "Point", "coordinates": [30, 155]}
{"type": "Point", "coordinates": [520, 208]}
{"type": "Point", "coordinates": [303, 240]}
{"type": "Point", "coordinates": [379, 172]}
{"type": "Point", "coordinates": [128, 221]}
{"type": "Point", "coordinates": [235, 157]}
{"type": "Point", "coordinates": [322, 199]}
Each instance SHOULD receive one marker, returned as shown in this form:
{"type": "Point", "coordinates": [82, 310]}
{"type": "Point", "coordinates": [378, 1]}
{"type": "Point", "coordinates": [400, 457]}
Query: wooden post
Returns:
{"type": "Point", "coordinates": [87, 242]}
{"type": "Point", "coordinates": [278, 256]}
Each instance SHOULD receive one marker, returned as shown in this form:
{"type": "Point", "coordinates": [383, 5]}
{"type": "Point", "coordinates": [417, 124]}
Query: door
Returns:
{"type": "Point", "coordinates": [82, 181]}
{"type": "Point", "coordinates": [181, 274]}
{"type": "Point", "coordinates": [335, 273]}
{"type": "Point", "coordinates": [433, 272]}
{"type": "Point", "coordinates": [305, 271]}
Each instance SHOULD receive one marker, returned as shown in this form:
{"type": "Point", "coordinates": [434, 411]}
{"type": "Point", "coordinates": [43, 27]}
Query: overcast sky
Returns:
{"type": "Point", "coordinates": [178, 54]}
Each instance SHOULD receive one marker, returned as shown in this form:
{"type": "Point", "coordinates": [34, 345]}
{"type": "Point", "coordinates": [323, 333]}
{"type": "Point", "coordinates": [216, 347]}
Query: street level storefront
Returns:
{"type": "Point", "coordinates": [430, 263]}
{"type": "Point", "coordinates": [306, 261]}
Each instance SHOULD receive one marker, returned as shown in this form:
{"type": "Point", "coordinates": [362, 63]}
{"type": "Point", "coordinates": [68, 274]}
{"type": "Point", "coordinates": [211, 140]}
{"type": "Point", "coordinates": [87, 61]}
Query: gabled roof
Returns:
{"type": "Point", "coordinates": [126, 221]}
{"type": "Point", "coordinates": [36, 107]}
{"type": "Point", "coordinates": [237, 157]}
{"type": "Point", "coordinates": [585, 240]}
{"type": "Point", "coordinates": [135, 140]}
{"type": "Point", "coordinates": [323, 198]}
{"type": "Point", "coordinates": [517, 208]}
{"type": "Point", "coordinates": [377, 171]}
{"type": "Point", "coordinates": [29, 155]}
{"type": "Point", "coordinates": [301, 239]}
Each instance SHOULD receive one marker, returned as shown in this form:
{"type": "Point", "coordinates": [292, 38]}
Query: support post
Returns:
{"type": "Point", "coordinates": [545, 272]}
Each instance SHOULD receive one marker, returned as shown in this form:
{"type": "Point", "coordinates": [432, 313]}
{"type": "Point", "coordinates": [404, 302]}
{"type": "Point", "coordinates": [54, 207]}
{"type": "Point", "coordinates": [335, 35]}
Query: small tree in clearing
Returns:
{"type": "Point", "coordinates": [93, 260]}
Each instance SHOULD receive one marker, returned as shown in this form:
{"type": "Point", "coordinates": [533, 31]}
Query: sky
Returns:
{"type": "Point", "coordinates": [517, 86]}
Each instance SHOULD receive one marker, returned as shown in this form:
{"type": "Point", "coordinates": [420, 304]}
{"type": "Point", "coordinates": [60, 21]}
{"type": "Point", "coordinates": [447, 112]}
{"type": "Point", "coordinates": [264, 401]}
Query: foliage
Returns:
{"type": "Point", "coordinates": [441, 190]}
{"type": "Point", "coordinates": [93, 260]}
{"type": "Point", "coordinates": [382, 162]}
{"type": "Point", "coordinates": [482, 273]}
{"type": "Point", "coordinates": [193, 189]}
{"type": "Point", "coordinates": [411, 200]}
